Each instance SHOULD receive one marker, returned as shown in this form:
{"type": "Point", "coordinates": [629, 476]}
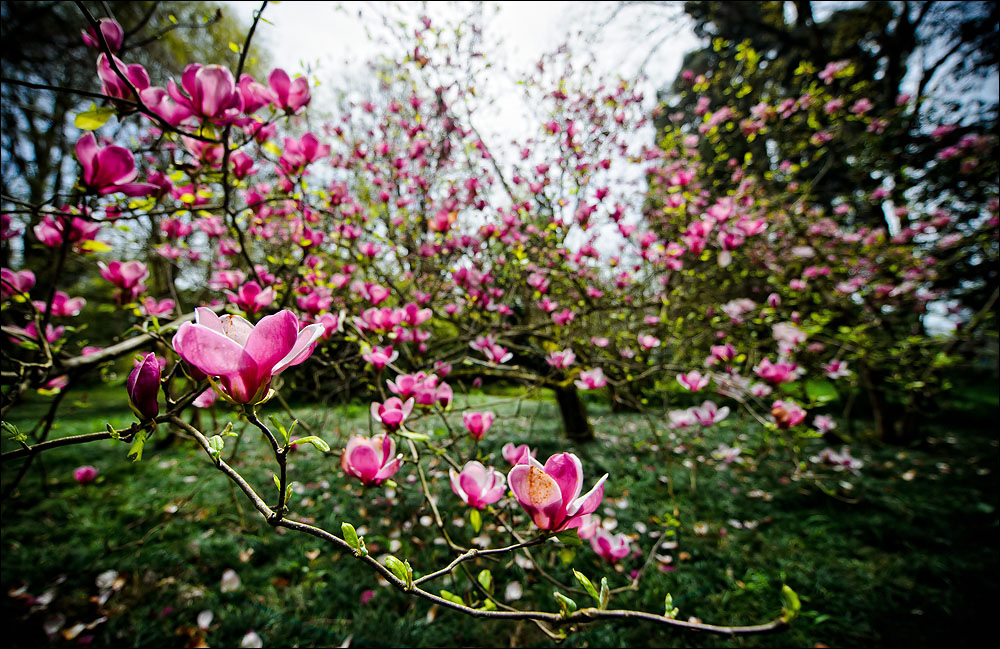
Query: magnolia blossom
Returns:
{"type": "Point", "coordinates": [561, 359]}
{"type": "Point", "coordinates": [775, 373]}
{"type": "Point", "coordinates": [251, 298]}
{"type": "Point", "coordinates": [244, 357]}
{"type": "Point", "coordinates": [290, 95]}
{"type": "Point", "coordinates": [516, 454]}
{"type": "Point", "coordinates": [477, 423]}
{"type": "Point", "coordinates": [681, 418]}
{"type": "Point", "coordinates": [836, 369]}
{"type": "Point", "coordinates": [392, 413]}
{"type": "Point", "coordinates": [497, 354]}
{"type": "Point", "coordinates": [85, 474]}
{"type": "Point", "coordinates": [727, 454]}
{"type": "Point", "coordinates": [693, 381]}
{"type": "Point", "coordinates": [127, 276]}
{"type": "Point", "coordinates": [591, 379]}
{"type": "Point", "coordinates": [550, 494]}
{"type": "Point", "coordinates": [824, 423]}
{"type": "Point", "coordinates": [50, 230]}
{"type": "Point", "coordinates": [787, 413]}
{"type": "Point", "coordinates": [380, 356]}
{"type": "Point", "coordinates": [371, 460]}
{"type": "Point", "coordinates": [839, 461]}
{"type": "Point", "coordinates": [208, 91]}
{"type": "Point", "coordinates": [110, 29]}
{"type": "Point", "coordinates": [647, 341]}
{"type": "Point", "coordinates": [109, 170]}
{"type": "Point", "coordinates": [709, 413]}
{"type": "Point", "coordinates": [608, 547]}
{"type": "Point", "coordinates": [62, 305]}
{"type": "Point", "coordinates": [15, 283]}
{"type": "Point", "coordinates": [477, 485]}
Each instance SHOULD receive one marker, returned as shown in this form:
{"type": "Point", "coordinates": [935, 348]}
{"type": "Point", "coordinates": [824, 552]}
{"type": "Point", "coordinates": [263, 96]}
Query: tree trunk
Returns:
{"type": "Point", "coordinates": [573, 410]}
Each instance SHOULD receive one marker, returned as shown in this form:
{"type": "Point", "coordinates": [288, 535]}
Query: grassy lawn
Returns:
{"type": "Point", "coordinates": [902, 554]}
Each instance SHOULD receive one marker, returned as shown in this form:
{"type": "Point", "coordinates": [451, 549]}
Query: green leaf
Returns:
{"type": "Point", "coordinates": [605, 595]}
{"type": "Point", "coordinates": [451, 597]}
{"type": "Point", "coordinates": [350, 535]}
{"type": "Point", "coordinates": [416, 437]}
{"type": "Point", "coordinates": [138, 442]}
{"type": "Point", "coordinates": [15, 434]}
{"type": "Point", "coordinates": [476, 520]}
{"type": "Point", "coordinates": [93, 119]}
{"type": "Point", "coordinates": [234, 47]}
{"type": "Point", "coordinates": [587, 584]}
{"type": "Point", "coordinates": [821, 391]}
{"type": "Point", "coordinates": [792, 605]}
{"type": "Point", "coordinates": [669, 610]}
{"type": "Point", "coordinates": [401, 569]}
{"type": "Point", "coordinates": [485, 579]}
{"type": "Point", "coordinates": [215, 446]}
{"type": "Point", "coordinates": [565, 603]}
{"type": "Point", "coordinates": [315, 441]}
{"type": "Point", "coordinates": [570, 538]}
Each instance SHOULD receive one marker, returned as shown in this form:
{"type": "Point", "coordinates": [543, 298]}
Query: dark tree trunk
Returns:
{"type": "Point", "coordinates": [573, 410]}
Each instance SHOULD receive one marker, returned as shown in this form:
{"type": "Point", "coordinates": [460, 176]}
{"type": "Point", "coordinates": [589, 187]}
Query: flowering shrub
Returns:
{"type": "Point", "coordinates": [391, 249]}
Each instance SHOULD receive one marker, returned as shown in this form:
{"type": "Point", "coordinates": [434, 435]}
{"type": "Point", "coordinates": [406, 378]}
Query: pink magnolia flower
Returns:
{"type": "Point", "coordinates": [290, 95]}
{"type": "Point", "coordinates": [109, 170]}
{"type": "Point", "coordinates": [693, 380]}
{"type": "Point", "coordinates": [563, 318]}
{"type": "Point", "coordinates": [251, 298]}
{"type": "Point", "coordinates": [127, 276]}
{"type": "Point", "coordinates": [143, 387]}
{"type": "Point", "coordinates": [50, 230]}
{"type": "Point", "coordinates": [113, 85]}
{"type": "Point", "coordinates": [591, 379]}
{"type": "Point", "coordinates": [824, 423]}
{"type": "Point", "coordinates": [760, 390]}
{"type": "Point", "coordinates": [550, 494]}
{"type": "Point", "coordinates": [681, 418]}
{"type": "Point", "coordinates": [647, 341]}
{"type": "Point", "coordinates": [787, 413]}
{"type": "Point", "coordinates": [371, 459]}
{"type": "Point", "coordinates": [708, 413]}
{"type": "Point", "coordinates": [392, 413]}
{"type": "Point", "coordinates": [15, 283]}
{"type": "Point", "coordinates": [497, 354]}
{"type": "Point", "coordinates": [477, 423]}
{"type": "Point", "coordinates": [836, 369]}
{"type": "Point", "coordinates": [380, 356]}
{"type": "Point", "coordinates": [477, 485]}
{"type": "Point", "coordinates": [561, 359]}
{"type": "Point", "coordinates": [516, 454]}
{"type": "Point", "coordinates": [206, 398]}
{"type": "Point", "coordinates": [608, 547]}
{"type": "Point", "coordinates": [242, 355]}
{"type": "Point", "coordinates": [85, 474]}
{"type": "Point", "coordinates": [154, 308]}
{"type": "Point", "coordinates": [110, 29]}
{"type": "Point", "coordinates": [62, 305]}
{"type": "Point", "coordinates": [588, 527]}
{"type": "Point", "coordinates": [208, 91]}
{"type": "Point", "coordinates": [839, 461]}
{"type": "Point", "coordinates": [775, 373]}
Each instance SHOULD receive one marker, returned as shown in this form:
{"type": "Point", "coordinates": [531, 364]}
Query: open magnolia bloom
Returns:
{"type": "Point", "coordinates": [477, 485]}
{"type": "Point", "coordinates": [550, 494]}
{"type": "Point", "coordinates": [244, 357]}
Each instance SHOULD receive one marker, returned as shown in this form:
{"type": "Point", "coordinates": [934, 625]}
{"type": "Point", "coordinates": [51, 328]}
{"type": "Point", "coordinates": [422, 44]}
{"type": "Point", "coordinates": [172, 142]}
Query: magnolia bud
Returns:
{"type": "Point", "coordinates": [143, 387]}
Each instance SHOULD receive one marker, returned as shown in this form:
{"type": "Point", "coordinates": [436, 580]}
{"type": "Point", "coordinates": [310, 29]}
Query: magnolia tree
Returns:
{"type": "Point", "coordinates": [392, 253]}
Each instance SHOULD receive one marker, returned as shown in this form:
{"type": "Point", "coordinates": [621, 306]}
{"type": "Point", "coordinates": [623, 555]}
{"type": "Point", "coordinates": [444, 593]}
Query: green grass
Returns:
{"type": "Point", "coordinates": [889, 562]}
